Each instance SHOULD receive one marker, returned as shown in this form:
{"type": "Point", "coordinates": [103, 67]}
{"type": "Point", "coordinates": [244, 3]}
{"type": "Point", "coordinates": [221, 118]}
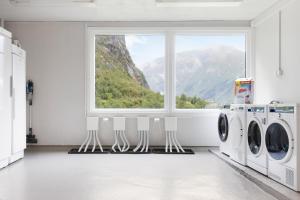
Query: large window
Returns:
{"type": "Point", "coordinates": [165, 71]}
{"type": "Point", "coordinates": [206, 68]}
{"type": "Point", "coordinates": [129, 71]}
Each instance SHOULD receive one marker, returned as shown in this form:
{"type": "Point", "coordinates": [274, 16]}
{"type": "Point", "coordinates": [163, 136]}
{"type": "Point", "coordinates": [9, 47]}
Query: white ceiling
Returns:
{"type": "Point", "coordinates": [131, 10]}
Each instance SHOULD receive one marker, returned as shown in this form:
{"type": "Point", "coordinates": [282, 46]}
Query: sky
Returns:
{"type": "Point", "coordinates": [146, 48]}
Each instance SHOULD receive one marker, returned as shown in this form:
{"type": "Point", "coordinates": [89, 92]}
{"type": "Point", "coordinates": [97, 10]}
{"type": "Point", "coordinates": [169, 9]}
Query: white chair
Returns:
{"type": "Point", "coordinates": [171, 131]}
{"type": "Point", "coordinates": [92, 126]}
{"type": "Point", "coordinates": [119, 132]}
{"type": "Point", "coordinates": [143, 129]}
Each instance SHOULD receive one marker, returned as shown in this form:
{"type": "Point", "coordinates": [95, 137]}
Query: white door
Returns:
{"type": "Point", "coordinates": [19, 103]}
{"type": "Point", "coordinates": [5, 97]}
{"type": "Point", "coordinates": [279, 141]}
{"type": "Point", "coordinates": [236, 131]}
{"type": "Point", "coordinates": [255, 137]}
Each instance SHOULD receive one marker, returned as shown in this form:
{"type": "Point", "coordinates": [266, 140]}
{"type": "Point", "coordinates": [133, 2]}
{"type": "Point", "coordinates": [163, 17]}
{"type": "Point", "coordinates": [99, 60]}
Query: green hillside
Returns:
{"type": "Point", "coordinates": [116, 89]}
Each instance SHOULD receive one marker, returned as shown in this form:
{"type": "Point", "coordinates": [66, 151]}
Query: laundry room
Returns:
{"type": "Point", "coordinates": [151, 99]}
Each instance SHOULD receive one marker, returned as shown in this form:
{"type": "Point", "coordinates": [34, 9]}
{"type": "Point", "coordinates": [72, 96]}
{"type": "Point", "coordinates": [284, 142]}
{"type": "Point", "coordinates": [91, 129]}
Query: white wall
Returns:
{"type": "Point", "coordinates": [56, 64]}
{"type": "Point", "coordinates": [268, 85]}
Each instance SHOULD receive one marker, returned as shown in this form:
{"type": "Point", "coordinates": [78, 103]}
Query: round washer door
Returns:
{"type": "Point", "coordinates": [255, 136]}
{"type": "Point", "coordinates": [223, 127]}
{"type": "Point", "coordinates": [236, 130]}
{"type": "Point", "coordinates": [279, 141]}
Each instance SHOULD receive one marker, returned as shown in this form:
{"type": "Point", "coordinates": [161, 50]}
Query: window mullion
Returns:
{"type": "Point", "coordinates": [91, 72]}
{"type": "Point", "coordinates": [170, 72]}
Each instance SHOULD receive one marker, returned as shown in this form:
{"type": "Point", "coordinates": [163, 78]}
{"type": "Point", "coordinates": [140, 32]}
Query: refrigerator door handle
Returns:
{"type": "Point", "coordinates": [13, 104]}
{"type": "Point", "coordinates": [11, 86]}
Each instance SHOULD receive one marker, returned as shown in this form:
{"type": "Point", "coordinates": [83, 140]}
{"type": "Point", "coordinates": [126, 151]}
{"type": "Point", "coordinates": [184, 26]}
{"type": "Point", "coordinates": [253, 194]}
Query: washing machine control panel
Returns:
{"type": "Point", "coordinates": [256, 109]}
{"type": "Point", "coordinates": [240, 108]}
{"type": "Point", "coordinates": [285, 109]}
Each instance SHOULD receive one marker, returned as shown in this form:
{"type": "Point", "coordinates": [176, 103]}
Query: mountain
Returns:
{"type": "Point", "coordinates": [207, 73]}
{"type": "Point", "coordinates": [118, 82]}
{"type": "Point", "coordinates": [112, 53]}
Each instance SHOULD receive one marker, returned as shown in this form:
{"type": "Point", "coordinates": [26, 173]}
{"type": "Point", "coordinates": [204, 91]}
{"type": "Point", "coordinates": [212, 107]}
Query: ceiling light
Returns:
{"type": "Point", "coordinates": [84, 3]}
{"type": "Point", "coordinates": [198, 3]}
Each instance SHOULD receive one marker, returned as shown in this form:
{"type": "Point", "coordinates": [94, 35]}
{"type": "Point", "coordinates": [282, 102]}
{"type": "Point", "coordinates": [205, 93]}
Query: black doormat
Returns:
{"type": "Point", "coordinates": [162, 150]}
{"type": "Point", "coordinates": [89, 151]}
{"type": "Point", "coordinates": [151, 150]}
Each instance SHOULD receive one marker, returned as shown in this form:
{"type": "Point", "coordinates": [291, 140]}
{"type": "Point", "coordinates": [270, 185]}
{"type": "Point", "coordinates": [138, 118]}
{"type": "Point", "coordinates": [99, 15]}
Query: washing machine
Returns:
{"type": "Point", "coordinates": [282, 142]}
{"type": "Point", "coordinates": [237, 131]}
{"type": "Point", "coordinates": [257, 159]}
{"type": "Point", "coordinates": [223, 130]}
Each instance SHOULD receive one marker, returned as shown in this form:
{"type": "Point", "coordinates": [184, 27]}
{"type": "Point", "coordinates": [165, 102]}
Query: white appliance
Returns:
{"type": "Point", "coordinates": [18, 139]}
{"type": "Point", "coordinates": [256, 131]}
{"type": "Point", "coordinates": [197, 3]}
{"type": "Point", "coordinates": [282, 143]}
{"type": "Point", "coordinates": [237, 130]}
{"type": "Point", "coordinates": [5, 96]}
{"type": "Point", "coordinates": [223, 131]}
{"type": "Point", "coordinates": [57, 3]}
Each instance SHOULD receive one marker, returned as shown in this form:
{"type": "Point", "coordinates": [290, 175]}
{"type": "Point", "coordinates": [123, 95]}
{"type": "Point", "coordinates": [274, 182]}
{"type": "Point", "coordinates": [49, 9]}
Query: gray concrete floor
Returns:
{"type": "Point", "coordinates": [272, 187]}
{"type": "Point", "coordinates": [47, 174]}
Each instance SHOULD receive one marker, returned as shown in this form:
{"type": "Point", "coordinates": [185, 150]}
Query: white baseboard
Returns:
{"type": "Point", "coordinates": [16, 156]}
{"type": "Point", "coordinates": [3, 163]}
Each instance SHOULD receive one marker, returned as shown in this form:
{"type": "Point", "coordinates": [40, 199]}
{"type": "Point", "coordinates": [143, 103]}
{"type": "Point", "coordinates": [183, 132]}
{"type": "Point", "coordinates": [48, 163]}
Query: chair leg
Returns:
{"type": "Point", "coordinates": [99, 143]}
{"type": "Point", "coordinates": [127, 142]}
{"type": "Point", "coordinates": [147, 138]}
{"type": "Point", "coordinates": [178, 144]}
{"type": "Point", "coordinates": [123, 141]}
{"type": "Point", "coordinates": [94, 140]}
{"type": "Point", "coordinates": [170, 142]}
{"type": "Point", "coordinates": [116, 141]}
{"type": "Point", "coordinates": [174, 142]}
{"type": "Point", "coordinates": [167, 142]}
{"type": "Point", "coordinates": [144, 141]}
{"type": "Point", "coordinates": [140, 141]}
{"type": "Point", "coordinates": [89, 141]}
{"type": "Point", "coordinates": [85, 141]}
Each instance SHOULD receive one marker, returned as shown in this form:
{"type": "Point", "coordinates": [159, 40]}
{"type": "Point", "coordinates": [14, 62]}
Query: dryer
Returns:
{"type": "Point", "coordinates": [237, 131]}
{"type": "Point", "coordinates": [223, 130]}
{"type": "Point", "coordinates": [256, 131]}
{"type": "Point", "coordinates": [282, 142]}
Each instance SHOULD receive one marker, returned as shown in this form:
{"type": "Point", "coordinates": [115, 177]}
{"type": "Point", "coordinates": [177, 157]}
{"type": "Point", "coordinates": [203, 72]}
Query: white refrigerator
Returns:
{"type": "Point", "coordinates": [5, 97]}
{"type": "Point", "coordinates": [18, 138]}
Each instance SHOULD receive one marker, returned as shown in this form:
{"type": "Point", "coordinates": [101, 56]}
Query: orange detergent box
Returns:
{"type": "Point", "coordinates": [244, 91]}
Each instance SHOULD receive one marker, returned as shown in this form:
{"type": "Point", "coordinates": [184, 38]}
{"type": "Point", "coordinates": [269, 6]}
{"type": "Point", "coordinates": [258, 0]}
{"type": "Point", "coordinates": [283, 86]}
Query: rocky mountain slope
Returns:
{"type": "Point", "coordinates": [208, 73]}
{"type": "Point", "coordinates": [112, 53]}
{"type": "Point", "coordinates": [118, 82]}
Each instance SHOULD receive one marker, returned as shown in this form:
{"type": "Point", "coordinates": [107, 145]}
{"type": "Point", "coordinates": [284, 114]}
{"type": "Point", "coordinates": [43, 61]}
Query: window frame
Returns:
{"type": "Point", "coordinates": [170, 67]}
{"type": "Point", "coordinates": [92, 32]}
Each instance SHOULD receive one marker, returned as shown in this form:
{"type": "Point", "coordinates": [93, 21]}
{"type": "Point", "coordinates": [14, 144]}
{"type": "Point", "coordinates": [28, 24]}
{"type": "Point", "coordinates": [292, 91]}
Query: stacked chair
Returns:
{"type": "Point", "coordinates": [119, 134]}
{"type": "Point", "coordinates": [92, 125]}
{"type": "Point", "coordinates": [121, 143]}
{"type": "Point", "coordinates": [143, 130]}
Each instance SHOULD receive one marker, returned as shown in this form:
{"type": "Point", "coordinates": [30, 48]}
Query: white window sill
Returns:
{"type": "Point", "coordinates": [153, 112]}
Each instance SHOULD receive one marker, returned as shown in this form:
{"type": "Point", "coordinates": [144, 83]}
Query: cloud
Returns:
{"type": "Point", "coordinates": [132, 40]}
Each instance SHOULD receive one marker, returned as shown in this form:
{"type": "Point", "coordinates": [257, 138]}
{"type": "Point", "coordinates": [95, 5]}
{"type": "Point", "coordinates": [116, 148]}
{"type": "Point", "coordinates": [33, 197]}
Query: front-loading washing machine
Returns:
{"type": "Point", "coordinates": [237, 131]}
{"type": "Point", "coordinates": [223, 131]}
{"type": "Point", "coordinates": [256, 131]}
{"type": "Point", "coordinates": [282, 142]}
